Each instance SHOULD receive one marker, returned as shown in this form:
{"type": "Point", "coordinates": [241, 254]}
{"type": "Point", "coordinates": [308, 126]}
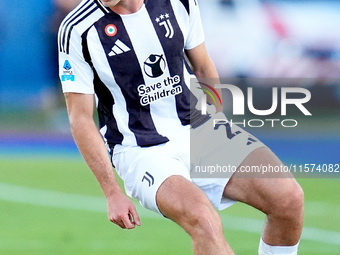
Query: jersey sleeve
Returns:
{"type": "Point", "coordinates": [76, 75]}
{"type": "Point", "coordinates": [196, 33]}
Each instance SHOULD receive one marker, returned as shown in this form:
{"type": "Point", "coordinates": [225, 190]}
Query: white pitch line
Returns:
{"type": "Point", "coordinates": [47, 198]}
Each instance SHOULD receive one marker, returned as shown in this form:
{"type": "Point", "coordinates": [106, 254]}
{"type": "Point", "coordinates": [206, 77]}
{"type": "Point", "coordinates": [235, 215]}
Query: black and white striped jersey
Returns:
{"type": "Point", "coordinates": [135, 66]}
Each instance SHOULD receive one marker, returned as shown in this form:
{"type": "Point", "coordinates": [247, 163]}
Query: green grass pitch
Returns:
{"type": "Point", "coordinates": [55, 206]}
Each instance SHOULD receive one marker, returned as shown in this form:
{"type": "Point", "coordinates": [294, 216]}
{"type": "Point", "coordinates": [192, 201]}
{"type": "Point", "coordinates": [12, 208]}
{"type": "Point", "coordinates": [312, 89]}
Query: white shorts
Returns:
{"type": "Point", "coordinates": [144, 169]}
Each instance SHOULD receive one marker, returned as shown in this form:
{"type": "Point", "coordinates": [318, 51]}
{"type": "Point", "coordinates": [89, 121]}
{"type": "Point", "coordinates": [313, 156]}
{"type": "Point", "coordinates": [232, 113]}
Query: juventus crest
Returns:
{"type": "Point", "coordinates": [164, 20]}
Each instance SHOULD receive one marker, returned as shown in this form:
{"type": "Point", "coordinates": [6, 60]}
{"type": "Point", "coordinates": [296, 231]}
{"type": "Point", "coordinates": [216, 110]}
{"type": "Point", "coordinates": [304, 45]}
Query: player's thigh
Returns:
{"type": "Point", "coordinates": [265, 191]}
{"type": "Point", "coordinates": [218, 148]}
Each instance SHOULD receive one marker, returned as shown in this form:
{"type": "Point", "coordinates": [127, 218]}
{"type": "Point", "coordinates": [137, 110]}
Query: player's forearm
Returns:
{"type": "Point", "coordinates": [205, 70]}
{"type": "Point", "coordinates": [207, 74]}
{"type": "Point", "coordinates": [92, 148]}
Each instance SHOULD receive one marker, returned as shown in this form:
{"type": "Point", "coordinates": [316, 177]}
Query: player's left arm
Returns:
{"type": "Point", "coordinates": [204, 69]}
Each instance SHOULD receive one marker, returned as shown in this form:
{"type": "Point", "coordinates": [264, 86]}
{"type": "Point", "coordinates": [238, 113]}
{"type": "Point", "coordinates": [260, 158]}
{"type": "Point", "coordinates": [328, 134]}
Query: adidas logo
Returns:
{"type": "Point", "coordinates": [119, 48]}
{"type": "Point", "coordinates": [251, 140]}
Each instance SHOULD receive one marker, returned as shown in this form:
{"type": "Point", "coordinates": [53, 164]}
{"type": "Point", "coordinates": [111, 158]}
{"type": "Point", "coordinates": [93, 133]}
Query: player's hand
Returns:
{"type": "Point", "coordinates": [122, 212]}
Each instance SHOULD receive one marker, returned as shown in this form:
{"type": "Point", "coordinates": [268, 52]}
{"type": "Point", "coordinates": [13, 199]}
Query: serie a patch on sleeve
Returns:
{"type": "Point", "coordinates": [68, 74]}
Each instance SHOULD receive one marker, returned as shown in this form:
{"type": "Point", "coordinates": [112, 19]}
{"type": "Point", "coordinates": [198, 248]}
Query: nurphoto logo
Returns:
{"type": "Point", "coordinates": [295, 96]}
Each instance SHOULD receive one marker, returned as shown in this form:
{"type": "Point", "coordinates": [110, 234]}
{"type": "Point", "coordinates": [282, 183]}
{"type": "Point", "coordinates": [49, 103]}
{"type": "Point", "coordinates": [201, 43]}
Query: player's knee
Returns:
{"type": "Point", "coordinates": [203, 221]}
{"type": "Point", "coordinates": [290, 204]}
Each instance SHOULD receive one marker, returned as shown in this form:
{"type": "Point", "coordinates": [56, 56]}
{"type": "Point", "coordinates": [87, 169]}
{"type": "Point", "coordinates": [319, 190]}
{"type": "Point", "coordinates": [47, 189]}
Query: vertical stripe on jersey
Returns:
{"type": "Point", "coordinates": [119, 109]}
{"type": "Point", "coordinates": [163, 111]}
{"type": "Point", "coordinates": [173, 49]}
{"type": "Point", "coordinates": [140, 121]}
{"type": "Point", "coordinates": [105, 102]}
{"type": "Point", "coordinates": [106, 118]}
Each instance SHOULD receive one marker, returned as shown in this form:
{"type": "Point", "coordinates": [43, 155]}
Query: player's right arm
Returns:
{"type": "Point", "coordinates": [77, 76]}
{"type": "Point", "coordinates": [121, 210]}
